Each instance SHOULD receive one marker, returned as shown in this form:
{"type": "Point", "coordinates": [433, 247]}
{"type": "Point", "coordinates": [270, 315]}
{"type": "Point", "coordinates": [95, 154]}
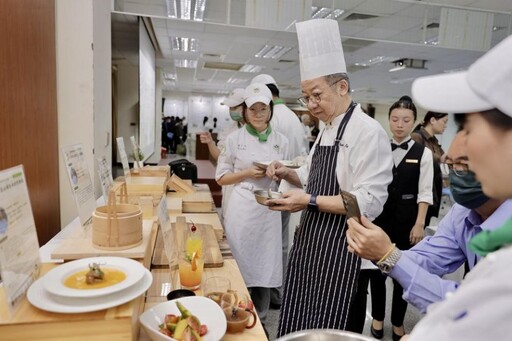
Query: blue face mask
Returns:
{"type": "Point", "coordinates": [467, 190]}
{"type": "Point", "coordinates": [235, 116]}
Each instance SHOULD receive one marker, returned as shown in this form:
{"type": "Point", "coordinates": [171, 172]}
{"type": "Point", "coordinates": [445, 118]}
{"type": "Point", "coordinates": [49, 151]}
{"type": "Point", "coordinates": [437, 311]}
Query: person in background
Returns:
{"type": "Point", "coordinates": [252, 230]}
{"type": "Point", "coordinates": [287, 123]}
{"type": "Point", "coordinates": [235, 102]}
{"type": "Point", "coordinates": [481, 307]}
{"type": "Point", "coordinates": [353, 154]}
{"type": "Point", "coordinates": [419, 269]}
{"type": "Point", "coordinates": [306, 125]}
{"type": "Point", "coordinates": [403, 217]}
{"type": "Point", "coordinates": [434, 123]}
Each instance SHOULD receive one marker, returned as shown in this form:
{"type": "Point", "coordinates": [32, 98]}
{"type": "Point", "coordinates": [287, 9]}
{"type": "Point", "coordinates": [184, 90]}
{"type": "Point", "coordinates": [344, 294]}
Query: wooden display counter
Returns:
{"type": "Point", "coordinates": [121, 322]}
{"type": "Point", "coordinates": [162, 285]}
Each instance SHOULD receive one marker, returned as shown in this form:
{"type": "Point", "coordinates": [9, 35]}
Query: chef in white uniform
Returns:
{"type": "Point", "coordinates": [252, 230]}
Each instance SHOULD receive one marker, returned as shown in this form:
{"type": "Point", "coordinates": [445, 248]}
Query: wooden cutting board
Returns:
{"type": "Point", "coordinates": [200, 201]}
{"type": "Point", "coordinates": [211, 251]}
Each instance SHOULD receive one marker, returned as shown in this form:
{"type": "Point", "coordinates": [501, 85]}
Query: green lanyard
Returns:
{"type": "Point", "coordinates": [488, 241]}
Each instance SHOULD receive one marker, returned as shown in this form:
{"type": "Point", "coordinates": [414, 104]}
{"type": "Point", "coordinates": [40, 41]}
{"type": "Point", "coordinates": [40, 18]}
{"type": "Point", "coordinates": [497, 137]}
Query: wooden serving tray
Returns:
{"type": "Point", "coordinates": [211, 251]}
{"type": "Point", "coordinates": [79, 245]}
{"type": "Point", "coordinates": [31, 323]}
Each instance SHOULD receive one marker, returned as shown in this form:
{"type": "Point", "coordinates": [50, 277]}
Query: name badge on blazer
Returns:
{"type": "Point", "coordinates": [411, 161]}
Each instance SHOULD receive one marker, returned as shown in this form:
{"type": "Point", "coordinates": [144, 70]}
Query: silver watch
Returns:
{"type": "Point", "coordinates": [387, 264]}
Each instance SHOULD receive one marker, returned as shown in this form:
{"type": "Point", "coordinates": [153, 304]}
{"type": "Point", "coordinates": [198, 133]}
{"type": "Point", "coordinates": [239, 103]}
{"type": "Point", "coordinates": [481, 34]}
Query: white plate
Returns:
{"type": "Point", "coordinates": [287, 163]}
{"type": "Point", "coordinates": [53, 281]}
{"type": "Point", "coordinates": [206, 310]}
{"type": "Point", "coordinates": [43, 300]}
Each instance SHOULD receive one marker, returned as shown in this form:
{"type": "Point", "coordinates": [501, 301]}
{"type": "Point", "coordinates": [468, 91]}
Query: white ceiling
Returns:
{"type": "Point", "coordinates": [397, 32]}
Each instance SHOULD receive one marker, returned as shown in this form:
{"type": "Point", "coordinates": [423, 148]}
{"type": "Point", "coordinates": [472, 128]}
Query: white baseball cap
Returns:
{"type": "Point", "coordinates": [264, 79]}
{"type": "Point", "coordinates": [235, 98]}
{"type": "Point", "coordinates": [486, 85]}
{"type": "Point", "coordinates": [257, 92]}
{"type": "Point", "coordinates": [320, 50]}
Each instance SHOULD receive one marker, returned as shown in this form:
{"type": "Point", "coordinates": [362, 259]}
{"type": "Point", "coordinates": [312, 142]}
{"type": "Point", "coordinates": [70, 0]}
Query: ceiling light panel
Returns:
{"type": "Point", "coordinates": [272, 52]}
{"type": "Point", "coordinates": [186, 9]}
{"type": "Point", "coordinates": [185, 63]}
{"type": "Point", "coordinates": [184, 44]}
{"type": "Point", "coordinates": [375, 60]}
{"type": "Point", "coordinates": [324, 12]}
{"type": "Point", "coordinates": [251, 68]}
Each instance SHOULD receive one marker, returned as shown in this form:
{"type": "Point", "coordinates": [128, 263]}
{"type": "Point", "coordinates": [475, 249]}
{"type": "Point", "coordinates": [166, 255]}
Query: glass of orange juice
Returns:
{"type": "Point", "coordinates": [191, 270]}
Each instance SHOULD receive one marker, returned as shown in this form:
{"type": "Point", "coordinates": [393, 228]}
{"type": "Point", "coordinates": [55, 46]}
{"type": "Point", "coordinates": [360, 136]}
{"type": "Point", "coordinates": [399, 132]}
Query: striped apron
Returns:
{"type": "Point", "coordinates": [322, 275]}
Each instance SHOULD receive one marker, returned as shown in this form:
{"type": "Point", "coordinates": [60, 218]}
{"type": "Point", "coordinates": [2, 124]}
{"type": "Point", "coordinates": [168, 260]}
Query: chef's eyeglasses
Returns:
{"type": "Point", "coordinates": [314, 98]}
{"type": "Point", "coordinates": [460, 169]}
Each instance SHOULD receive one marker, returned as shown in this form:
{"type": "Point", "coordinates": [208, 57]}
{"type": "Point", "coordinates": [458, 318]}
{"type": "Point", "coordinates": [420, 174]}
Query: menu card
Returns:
{"type": "Point", "coordinates": [80, 181]}
{"type": "Point", "coordinates": [169, 236]}
{"type": "Point", "coordinates": [122, 154]}
{"type": "Point", "coordinates": [19, 247]}
{"type": "Point", "coordinates": [105, 176]}
{"type": "Point", "coordinates": [138, 156]}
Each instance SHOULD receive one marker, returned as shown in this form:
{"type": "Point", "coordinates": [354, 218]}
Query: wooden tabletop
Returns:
{"type": "Point", "coordinates": [162, 284]}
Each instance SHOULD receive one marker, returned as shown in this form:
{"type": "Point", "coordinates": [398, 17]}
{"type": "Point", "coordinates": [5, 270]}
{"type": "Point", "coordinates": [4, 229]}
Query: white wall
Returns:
{"type": "Point", "coordinates": [102, 77]}
{"type": "Point", "coordinates": [83, 86]}
{"type": "Point", "coordinates": [75, 84]}
{"type": "Point", "coordinates": [127, 104]}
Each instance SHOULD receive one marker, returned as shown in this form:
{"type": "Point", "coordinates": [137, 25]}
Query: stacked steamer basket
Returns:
{"type": "Point", "coordinates": [117, 226]}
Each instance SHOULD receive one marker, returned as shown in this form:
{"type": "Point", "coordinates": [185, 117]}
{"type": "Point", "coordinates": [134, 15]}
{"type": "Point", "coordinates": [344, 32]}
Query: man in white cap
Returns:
{"type": "Point", "coordinates": [287, 123]}
{"type": "Point", "coordinates": [481, 308]}
{"type": "Point", "coordinates": [352, 153]}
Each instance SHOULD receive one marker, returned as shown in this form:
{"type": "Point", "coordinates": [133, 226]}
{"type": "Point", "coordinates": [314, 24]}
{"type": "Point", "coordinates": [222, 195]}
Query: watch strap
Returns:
{"type": "Point", "coordinates": [312, 206]}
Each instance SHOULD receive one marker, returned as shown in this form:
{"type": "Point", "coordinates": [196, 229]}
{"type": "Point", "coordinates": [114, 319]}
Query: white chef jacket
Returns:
{"type": "Point", "coordinates": [253, 231]}
{"type": "Point", "coordinates": [221, 144]}
{"type": "Point", "coordinates": [480, 309]}
{"type": "Point", "coordinates": [364, 164]}
{"type": "Point", "coordinates": [426, 170]}
{"type": "Point", "coordinates": [287, 123]}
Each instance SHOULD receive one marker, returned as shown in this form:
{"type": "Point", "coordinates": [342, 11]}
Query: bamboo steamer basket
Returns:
{"type": "Point", "coordinates": [117, 226]}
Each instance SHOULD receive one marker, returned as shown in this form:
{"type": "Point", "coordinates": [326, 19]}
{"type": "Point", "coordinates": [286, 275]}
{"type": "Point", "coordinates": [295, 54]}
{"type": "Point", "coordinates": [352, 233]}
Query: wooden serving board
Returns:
{"type": "Point", "coordinates": [79, 245]}
{"type": "Point", "coordinates": [198, 202]}
{"type": "Point", "coordinates": [31, 323]}
{"type": "Point", "coordinates": [202, 218]}
{"type": "Point", "coordinates": [211, 251]}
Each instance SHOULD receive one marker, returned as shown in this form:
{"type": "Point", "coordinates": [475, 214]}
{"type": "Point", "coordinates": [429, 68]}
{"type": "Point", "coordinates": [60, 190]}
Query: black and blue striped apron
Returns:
{"type": "Point", "coordinates": [322, 275]}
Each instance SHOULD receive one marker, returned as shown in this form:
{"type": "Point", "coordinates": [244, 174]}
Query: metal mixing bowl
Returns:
{"type": "Point", "coordinates": [324, 335]}
{"type": "Point", "coordinates": [262, 196]}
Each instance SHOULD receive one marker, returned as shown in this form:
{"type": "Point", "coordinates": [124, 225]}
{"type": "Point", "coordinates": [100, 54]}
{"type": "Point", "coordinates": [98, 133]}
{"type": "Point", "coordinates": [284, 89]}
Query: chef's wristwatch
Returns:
{"type": "Point", "coordinates": [387, 264]}
{"type": "Point", "coordinates": [312, 206]}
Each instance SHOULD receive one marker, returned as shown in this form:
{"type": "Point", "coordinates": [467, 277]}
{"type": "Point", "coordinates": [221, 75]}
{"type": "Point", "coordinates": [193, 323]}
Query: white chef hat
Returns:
{"type": "Point", "coordinates": [235, 98]}
{"type": "Point", "coordinates": [486, 85]}
{"type": "Point", "coordinates": [320, 50]}
{"type": "Point", "coordinates": [257, 92]}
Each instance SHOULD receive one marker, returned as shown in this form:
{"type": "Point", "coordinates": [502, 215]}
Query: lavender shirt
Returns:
{"type": "Point", "coordinates": [419, 269]}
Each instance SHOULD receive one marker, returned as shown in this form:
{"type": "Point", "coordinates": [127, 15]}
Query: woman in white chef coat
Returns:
{"type": "Point", "coordinates": [253, 231]}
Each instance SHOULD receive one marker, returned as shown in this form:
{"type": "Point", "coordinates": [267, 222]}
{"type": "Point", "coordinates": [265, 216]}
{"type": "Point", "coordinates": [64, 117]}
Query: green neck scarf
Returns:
{"type": "Point", "coordinates": [488, 241]}
{"type": "Point", "coordinates": [278, 101]}
{"type": "Point", "coordinates": [263, 136]}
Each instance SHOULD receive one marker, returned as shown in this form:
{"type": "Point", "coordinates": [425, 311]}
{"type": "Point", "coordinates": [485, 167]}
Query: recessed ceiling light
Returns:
{"type": "Point", "coordinates": [185, 63]}
{"type": "Point", "coordinates": [186, 9]}
{"type": "Point", "coordinates": [184, 44]}
{"type": "Point", "coordinates": [251, 68]}
{"type": "Point", "coordinates": [272, 51]}
{"type": "Point", "coordinates": [324, 12]}
{"type": "Point", "coordinates": [375, 60]}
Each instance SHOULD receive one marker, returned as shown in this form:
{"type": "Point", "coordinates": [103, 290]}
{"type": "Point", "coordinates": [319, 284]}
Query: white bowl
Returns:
{"type": "Point", "coordinates": [206, 310]}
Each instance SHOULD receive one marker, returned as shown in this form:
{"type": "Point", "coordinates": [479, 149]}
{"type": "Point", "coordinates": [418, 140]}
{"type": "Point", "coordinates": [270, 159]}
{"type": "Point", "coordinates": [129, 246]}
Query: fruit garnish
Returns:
{"type": "Point", "coordinates": [193, 262]}
{"type": "Point", "coordinates": [193, 227]}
